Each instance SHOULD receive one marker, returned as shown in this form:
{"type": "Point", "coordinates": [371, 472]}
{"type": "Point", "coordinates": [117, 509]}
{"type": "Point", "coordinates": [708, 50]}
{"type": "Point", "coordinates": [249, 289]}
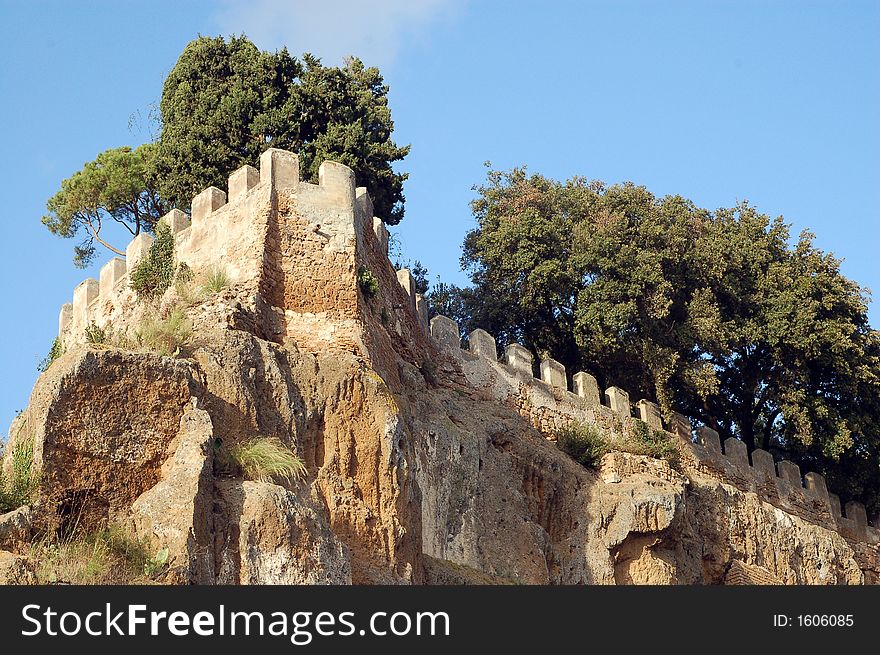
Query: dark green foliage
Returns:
{"type": "Point", "coordinates": [96, 335]}
{"type": "Point", "coordinates": [721, 315]}
{"type": "Point", "coordinates": [54, 353]}
{"type": "Point", "coordinates": [654, 443]}
{"type": "Point", "coordinates": [226, 101]}
{"type": "Point", "coordinates": [113, 187]}
{"type": "Point", "coordinates": [223, 104]}
{"type": "Point", "coordinates": [18, 489]}
{"type": "Point", "coordinates": [155, 273]}
{"type": "Point", "coordinates": [583, 443]}
{"type": "Point", "coordinates": [367, 282]}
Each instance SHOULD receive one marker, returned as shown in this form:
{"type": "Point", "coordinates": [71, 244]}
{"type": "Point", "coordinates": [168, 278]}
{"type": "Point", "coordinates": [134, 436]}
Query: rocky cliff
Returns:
{"type": "Point", "coordinates": [423, 462]}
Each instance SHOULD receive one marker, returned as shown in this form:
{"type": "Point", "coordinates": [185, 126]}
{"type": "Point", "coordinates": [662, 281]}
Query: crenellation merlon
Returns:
{"type": "Point", "coordinates": [65, 316]}
{"type": "Point", "coordinates": [483, 344]}
{"type": "Point", "coordinates": [618, 401]}
{"type": "Point", "coordinates": [737, 453]}
{"type": "Point", "coordinates": [84, 294]}
{"type": "Point", "coordinates": [650, 413]}
{"type": "Point", "coordinates": [586, 387]}
{"type": "Point", "coordinates": [815, 485]}
{"type": "Point", "coordinates": [137, 250]}
{"type": "Point", "coordinates": [445, 332]}
{"type": "Point", "coordinates": [207, 202]}
{"type": "Point", "coordinates": [364, 204]}
{"type": "Point", "coordinates": [279, 169]}
{"type": "Point", "coordinates": [381, 233]}
{"type": "Point", "coordinates": [111, 273]}
{"type": "Point", "coordinates": [408, 284]}
{"type": "Point", "coordinates": [553, 373]}
{"type": "Point", "coordinates": [790, 473]}
{"type": "Point", "coordinates": [176, 220]}
{"type": "Point", "coordinates": [709, 439]}
{"type": "Point", "coordinates": [422, 310]}
{"type": "Point", "coordinates": [337, 179]}
{"type": "Point", "coordinates": [519, 358]}
{"type": "Point", "coordinates": [242, 181]}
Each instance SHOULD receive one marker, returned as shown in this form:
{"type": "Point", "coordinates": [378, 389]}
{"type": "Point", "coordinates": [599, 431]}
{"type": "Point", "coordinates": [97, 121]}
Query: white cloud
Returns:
{"type": "Point", "coordinates": [373, 30]}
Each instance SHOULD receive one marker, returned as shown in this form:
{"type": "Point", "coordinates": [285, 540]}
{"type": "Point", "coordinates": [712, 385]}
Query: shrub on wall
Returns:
{"type": "Point", "coordinates": [152, 276]}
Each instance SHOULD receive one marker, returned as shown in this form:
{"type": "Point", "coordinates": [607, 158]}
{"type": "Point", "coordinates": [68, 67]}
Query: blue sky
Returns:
{"type": "Point", "coordinates": [774, 102]}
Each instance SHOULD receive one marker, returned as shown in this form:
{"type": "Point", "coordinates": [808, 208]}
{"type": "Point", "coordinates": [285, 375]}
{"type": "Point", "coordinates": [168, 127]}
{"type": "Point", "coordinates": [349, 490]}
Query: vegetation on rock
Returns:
{"type": "Point", "coordinates": [262, 459]}
{"type": "Point", "coordinates": [152, 276]}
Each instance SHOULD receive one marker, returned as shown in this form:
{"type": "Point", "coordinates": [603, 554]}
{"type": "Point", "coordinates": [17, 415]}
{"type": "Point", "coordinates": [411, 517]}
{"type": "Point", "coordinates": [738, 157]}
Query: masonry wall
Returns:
{"type": "Point", "coordinates": [549, 404]}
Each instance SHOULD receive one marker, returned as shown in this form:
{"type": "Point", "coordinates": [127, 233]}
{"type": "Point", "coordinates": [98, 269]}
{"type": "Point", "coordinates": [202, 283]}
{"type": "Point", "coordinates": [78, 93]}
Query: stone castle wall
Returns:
{"type": "Point", "coordinates": [549, 404]}
{"type": "Point", "coordinates": [298, 249]}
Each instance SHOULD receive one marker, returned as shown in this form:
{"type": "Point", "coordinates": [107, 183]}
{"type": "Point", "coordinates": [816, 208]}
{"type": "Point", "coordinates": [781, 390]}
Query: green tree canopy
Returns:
{"type": "Point", "coordinates": [112, 188]}
{"type": "Point", "coordinates": [714, 314]}
{"type": "Point", "coordinates": [225, 102]}
{"type": "Point", "coordinates": [222, 105]}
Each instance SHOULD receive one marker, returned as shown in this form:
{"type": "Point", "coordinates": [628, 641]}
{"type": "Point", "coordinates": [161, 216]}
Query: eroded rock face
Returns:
{"type": "Point", "coordinates": [101, 422]}
{"type": "Point", "coordinates": [16, 569]}
{"type": "Point", "coordinates": [400, 468]}
{"type": "Point", "coordinates": [270, 535]}
{"type": "Point", "coordinates": [15, 528]}
{"type": "Point", "coordinates": [177, 512]}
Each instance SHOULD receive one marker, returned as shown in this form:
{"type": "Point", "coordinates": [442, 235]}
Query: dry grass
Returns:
{"type": "Point", "coordinates": [107, 557]}
{"type": "Point", "coordinates": [165, 335]}
{"type": "Point", "coordinates": [265, 459]}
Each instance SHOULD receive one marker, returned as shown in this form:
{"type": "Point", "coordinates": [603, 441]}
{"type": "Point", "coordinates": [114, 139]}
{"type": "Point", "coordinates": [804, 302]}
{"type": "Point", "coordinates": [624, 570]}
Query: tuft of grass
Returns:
{"type": "Point", "coordinates": [368, 282]}
{"type": "Point", "coordinates": [264, 459]}
{"type": "Point", "coordinates": [106, 557]}
{"type": "Point", "coordinates": [165, 335]}
{"type": "Point", "coordinates": [586, 445]}
{"type": "Point", "coordinates": [54, 353]}
{"type": "Point", "coordinates": [583, 443]}
{"type": "Point", "coordinates": [97, 336]}
{"type": "Point", "coordinates": [215, 281]}
{"type": "Point", "coordinates": [651, 442]}
{"type": "Point", "coordinates": [19, 487]}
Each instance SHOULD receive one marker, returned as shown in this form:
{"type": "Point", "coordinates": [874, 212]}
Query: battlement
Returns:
{"type": "Point", "coordinates": [239, 231]}
{"type": "Point", "coordinates": [551, 403]}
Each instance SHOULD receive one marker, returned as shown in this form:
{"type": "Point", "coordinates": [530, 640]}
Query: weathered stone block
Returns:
{"type": "Point", "coordinates": [381, 233]}
{"type": "Point", "coordinates": [483, 344]}
{"type": "Point", "coordinates": [834, 501]}
{"type": "Point", "coordinates": [408, 284]}
{"type": "Point", "coordinates": [586, 387]}
{"type": "Point", "coordinates": [206, 203]}
{"type": "Point", "coordinates": [176, 220]}
{"type": "Point", "coordinates": [137, 249]}
{"type": "Point", "coordinates": [337, 179]}
{"type": "Point", "coordinates": [64, 317]}
{"type": "Point", "coordinates": [790, 473]}
{"type": "Point", "coordinates": [762, 462]}
{"type": "Point", "coordinates": [737, 453]}
{"type": "Point", "coordinates": [709, 439]}
{"type": "Point", "coordinates": [279, 168]}
{"type": "Point", "coordinates": [111, 273]}
{"type": "Point", "coordinates": [553, 373]}
{"type": "Point", "coordinates": [84, 294]}
{"type": "Point", "coordinates": [816, 487]}
{"type": "Point", "coordinates": [856, 511]}
{"type": "Point", "coordinates": [242, 181]}
{"type": "Point", "coordinates": [650, 413]}
{"type": "Point", "coordinates": [618, 400]}
{"type": "Point", "coordinates": [445, 331]}
{"type": "Point", "coordinates": [681, 425]}
{"type": "Point", "coordinates": [519, 358]}
{"type": "Point", "coordinates": [364, 203]}
{"type": "Point", "coordinates": [422, 309]}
